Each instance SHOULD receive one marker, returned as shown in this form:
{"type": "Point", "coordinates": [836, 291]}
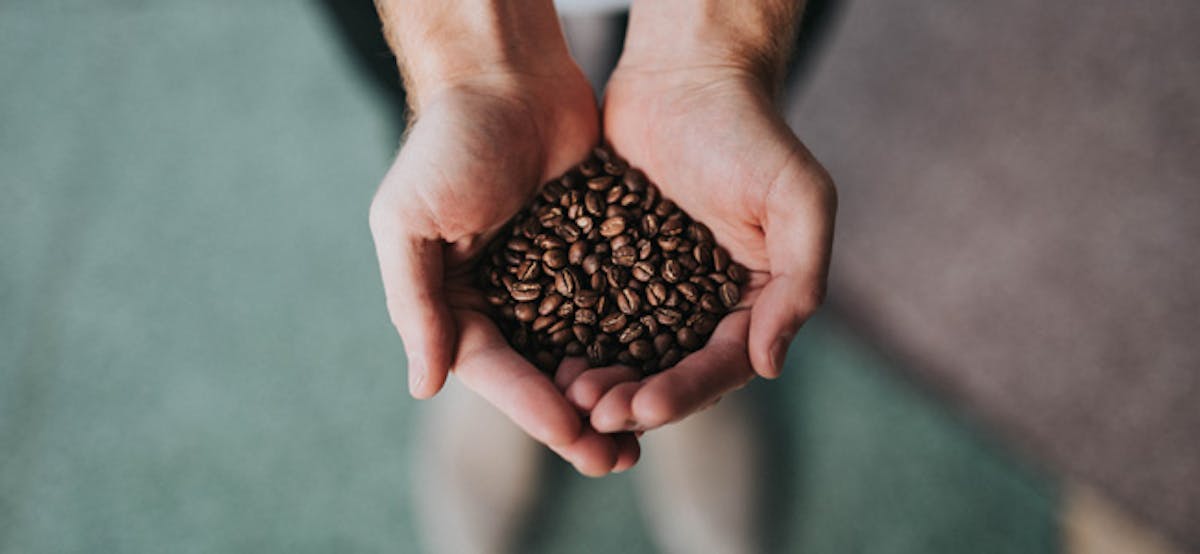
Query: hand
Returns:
{"type": "Point", "coordinates": [478, 150]}
{"type": "Point", "coordinates": [711, 139]}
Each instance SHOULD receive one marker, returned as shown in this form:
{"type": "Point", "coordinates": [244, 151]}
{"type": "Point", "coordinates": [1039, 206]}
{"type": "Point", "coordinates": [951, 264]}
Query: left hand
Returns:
{"type": "Point", "coordinates": [711, 139]}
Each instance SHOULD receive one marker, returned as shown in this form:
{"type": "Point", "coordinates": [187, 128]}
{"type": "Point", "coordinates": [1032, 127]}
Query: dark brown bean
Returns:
{"type": "Point", "coordinates": [688, 338]}
{"type": "Point", "coordinates": [730, 295]}
{"type": "Point", "coordinates": [656, 293]}
{"type": "Point", "coordinates": [555, 258]}
{"type": "Point", "coordinates": [710, 303]}
{"type": "Point", "coordinates": [737, 273]}
{"type": "Point", "coordinates": [566, 282]}
{"type": "Point", "coordinates": [624, 256]}
{"type": "Point", "coordinates": [668, 316]}
{"type": "Point", "coordinates": [583, 333]}
{"type": "Point", "coordinates": [630, 333]}
{"type": "Point", "coordinates": [525, 311]}
{"type": "Point", "coordinates": [643, 271]}
{"type": "Point", "coordinates": [543, 322]}
{"type": "Point", "coordinates": [550, 303]}
{"type": "Point", "coordinates": [663, 342]}
{"type": "Point", "coordinates": [585, 316]}
{"type": "Point", "coordinates": [720, 259]}
{"type": "Point", "coordinates": [577, 253]}
{"type": "Point", "coordinates": [672, 272]}
{"type": "Point", "coordinates": [613, 322]}
{"type": "Point", "coordinates": [612, 227]}
{"type": "Point", "coordinates": [641, 349]}
{"type": "Point", "coordinates": [628, 301]}
{"type": "Point", "coordinates": [600, 183]}
{"type": "Point", "coordinates": [523, 291]}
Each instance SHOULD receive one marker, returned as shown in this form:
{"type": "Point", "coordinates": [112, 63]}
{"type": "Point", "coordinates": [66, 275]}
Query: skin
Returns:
{"type": "Point", "coordinates": [501, 108]}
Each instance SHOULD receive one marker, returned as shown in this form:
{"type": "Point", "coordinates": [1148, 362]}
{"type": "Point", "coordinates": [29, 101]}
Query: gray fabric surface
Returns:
{"type": "Point", "coordinates": [1020, 186]}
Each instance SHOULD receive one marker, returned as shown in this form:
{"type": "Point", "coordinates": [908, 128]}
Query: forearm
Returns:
{"type": "Point", "coordinates": [750, 35]}
{"type": "Point", "coordinates": [439, 43]}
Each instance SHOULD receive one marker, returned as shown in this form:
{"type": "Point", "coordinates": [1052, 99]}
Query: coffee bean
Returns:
{"type": "Point", "coordinates": [583, 333]}
{"type": "Point", "coordinates": [670, 358]}
{"type": "Point", "coordinates": [594, 203]}
{"type": "Point", "coordinates": [550, 303]}
{"type": "Point", "coordinates": [689, 291]}
{"type": "Point", "coordinates": [567, 281]}
{"type": "Point", "coordinates": [568, 231]}
{"type": "Point", "coordinates": [566, 309]}
{"type": "Point", "coordinates": [548, 242]}
{"type": "Point", "coordinates": [585, 316]}
{"type": "Point", "coordinates": [737, 273]}
{"type": "Point", "coordinates": [687, 338]}
{"type": "Point", "coordinates": [625, 358]}
{"type": "Point", "coordinates": [561, 337]}
{"type": "Point", "coordinates": [631, 333]}
{"type": "Point", "coordinates": [555, 258]}
{"type": "Point", "coordinates": [628, 301]}
{"type": "Point", "coordinates": [613, 322]}
{"type": "Point", "coordinates": [600, 183]}
{"type": "Point", "coordinates": [518, 244]}
{"type": "Point", "coordinates": [664, 208]}
{"type": "Point", "coordinates": [641, 349]}
{"type": "Point", "coordinates": [709, 302]}
{"type": "Point", "coordinates": [617, 277]}
{"type": "Point", "coordinates": [703, 254]}
{"type": "Point", "coordinates": [649, 225]}
{"type": "Point", "coordinates": [650, 324]}
{"type": "Point", "coordinates": [574, 348]}
{"type": "Point", "coordinates": [702, 323]}
{"type": "Point", "coordinates": [668, 316]}
{"type": "Point", "coordinates": [598, 282]}
{"type": "Point", "coordinates": [523, 291]}
{"type": "Point", "coordinates": [720, 259]}
{"type": "Point", "coordinates": [656, 293]}
{"type": "Point", "coordinates": [663, 342]}
{"type": "Point", "coordinates": [634, 180]}
{"type": "Point", "coordinates": [543, 322]}
{"type": "Point", "coordinates": [668, 244]}
{"type": "Point", "coordinates": [672, 271]}
{"type": "Point", "coordinates": [672, 227]}
{"type": "Point", "coordinates": [730, 295]}
{"type": "Point", "coordinates": [557, 326]}
{"type": "Point", "coordinates": [589, 168]}
{"type": "Point", "coordinates": [624, 256]}
{"type": "Point", "coordinates": [612, 227]}
{"type": "Point", "coordinates": [591, 263]}
{"type": "Point", "coordinates": [525, 311]}
{"type": "Point", "coordinates": [613, 196]}
{"type": "Point", "coordinates": [704, 282]}
{"type": "Point", "coordinates": [643, 271]}
{"type": "Point", "coordinates": [600, 352]}
{"type": "Point", "coordinates": [545, 361]}
{"type": "Point", "coordinates": [586, 298]}
{"type": "Point", "coordinates": [577, 253]}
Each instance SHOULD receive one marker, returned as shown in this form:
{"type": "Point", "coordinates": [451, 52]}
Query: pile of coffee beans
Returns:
{"type": "Point", "coordinates": [602, 266]}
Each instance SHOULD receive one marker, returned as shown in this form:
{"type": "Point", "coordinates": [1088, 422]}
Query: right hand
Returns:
{"type": "Point", "coordinates": [478, 150]}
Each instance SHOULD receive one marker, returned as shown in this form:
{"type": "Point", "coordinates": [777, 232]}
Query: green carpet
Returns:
{"type": "Point", "coordinates": [195, 357]}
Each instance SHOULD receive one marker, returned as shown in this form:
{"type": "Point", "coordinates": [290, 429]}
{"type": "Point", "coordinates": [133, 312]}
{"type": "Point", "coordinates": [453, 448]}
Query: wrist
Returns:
{"type": "Point", "coordinates": [747, 39]}
{"type": "Point", "coordinates": [443, 44]}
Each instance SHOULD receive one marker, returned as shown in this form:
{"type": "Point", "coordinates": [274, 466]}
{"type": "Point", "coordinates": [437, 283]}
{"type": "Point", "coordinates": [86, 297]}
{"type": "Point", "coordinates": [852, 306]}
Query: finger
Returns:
{"type": "Point", "coordinates": [614, 411]}
{"type": "Point", "coordinates": [698, 380]}
{"type": "Point", "coordinates": [569, 370]}
{"type": "Point", "coordinates": [592, 384]}
{"type": "Point", "coordinates": [591, 453]}
{"type": "Point", "coordinates": [489, 366]}
{"type": "Point", "coordinates": [628, 452]}
{"type": "Point", "coordinates": [799, 234]}
{"type": "Point", "coordinates": [412, 268]}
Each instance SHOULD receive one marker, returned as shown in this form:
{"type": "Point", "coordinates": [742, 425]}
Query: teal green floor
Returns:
{"type": "Point", "coordinates": [194, 354]}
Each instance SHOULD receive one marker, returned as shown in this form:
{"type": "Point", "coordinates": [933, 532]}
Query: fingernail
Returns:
{"type": "Point", "coordinates": [779, 352]}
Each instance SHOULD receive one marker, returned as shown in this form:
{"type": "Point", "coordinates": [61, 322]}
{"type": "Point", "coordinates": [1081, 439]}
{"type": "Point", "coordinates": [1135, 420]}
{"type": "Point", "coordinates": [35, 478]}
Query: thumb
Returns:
{"type": "Point", "coordinates": [800, 211]}
{"type": "Point", "coordinates": [412, 270]}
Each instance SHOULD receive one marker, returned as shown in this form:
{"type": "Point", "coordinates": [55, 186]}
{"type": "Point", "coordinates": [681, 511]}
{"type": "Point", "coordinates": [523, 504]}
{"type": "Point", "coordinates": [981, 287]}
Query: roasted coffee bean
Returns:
{"type": "Point", "coordinates": [577, 253]}
{"type": "Point", "coordinates": [720, 259]}
{"type": "Point", "coordinates": [528, 270]}
{"type": "Point", "coordinates": [589, 168]}
{"type": "Point", "coordinates": [688, 338]}
{"type": "Point", "coordinates": [525, 311]}
{"type": "Point", "coordinates": [645, 249]}
{"type": "Point", "coordinates": [634, 180]}
{"type": "Point", "coordinates": [585, 316]}
{"type": "Point", "coordinates": [594, 203]}
{"type": "Point", "coordinates": [550, 303]}
{"type": "Point", "coordinates": [557, 326]}
{"type": "Point", "coordinates": [672, 272]}
{"type": "Point", "coordinates": [600, 183]}
{"type": "Point", "coordinates": [703, 254]}
{"type": "Point", "coordinates": [670, 358]}
{"type": "Point", "coordinates": [704, 282]}
{"type": "Point", "coordinates": [641, 349]}
{"type": "Point", "coordinates": [555, 258]}
{"type": "Point", "coordinates": [628, 301]}
{"type": "Point", "coordinates": [702, 323]}
{"type": "Point", "coordinates": [632, 332]}
{"type": "Point", "coordinates": [664, 208]}
{"type": "Point", "coordinates": [600, 352]}
{"type": "Point", "coordinates": [548, 242]}
{"type": "Point", "coordinates": [656, 293]}
{"type": "Point", "coordinates": [643, 271]}
{"type": "Point", "coordinates": [566, 309]}
{"type": "Point", "coordinates": [613, 322]}
{"type": "Point", "coordinates": [730, 295]}
{"type": "Point", "coordinates": [523, 291]}
{"type": "Point", "coordinates": [672, 227]}
{"type": "Point", "coordinates": [689, 291]}
{"type": "Point", "coordinates": [543, 322]}
{"type": "Point", "coordinates": [613, 195]}
{"type": "Point", "coordinates": [624, 256]}
{"type": "Point", "coordinates": [668, 244]}
{"type": "Point", "coordinates": [617, 277]}
{"type": "Point", "coordinates": [568, 231]}
{"type": "Point", "coordinates": [737, 273]}
{"type": "Point", "coordinates": [566, 282]}
{"type": "Point", "coordinates": [561, 337]}
{"type": "Point", "coordinates": [519, 244]}
{"type": "Point", "coordinates": [649, 225]}
{"type": "Point", "coordinates": [668, 316]}
{"type": "Point", "coordinates": [496, 297]}
{"type": "Point", "coordinates": [598, 282]}
{"type": "Point", "coordinates": [625, 358]}
{"type": "Point", "coordinates": [585, 224]}
{"type": "Point", "coordinates": [612, 227]}
{"type": "Point", "coordinates": [700, 232]}
{"type": "Point", "coordinates": [650, 324]}
{"type": "Point", "coordinates": [629, 199]}
{"type": "Point", "coordinates": [583, 333]}
{"type": "Point", "coordinates": [591, 263]}
{"type": "Point", "coordinates": [586, 298]}
{"type": "Point", "coordinates": [574, 348]}
{"type": "Point", "coordinates": [663, 342]}
{"type": "Point", "coordinates": [710, 303]}
{"type": "Point", "coordinates": [545, 361]}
